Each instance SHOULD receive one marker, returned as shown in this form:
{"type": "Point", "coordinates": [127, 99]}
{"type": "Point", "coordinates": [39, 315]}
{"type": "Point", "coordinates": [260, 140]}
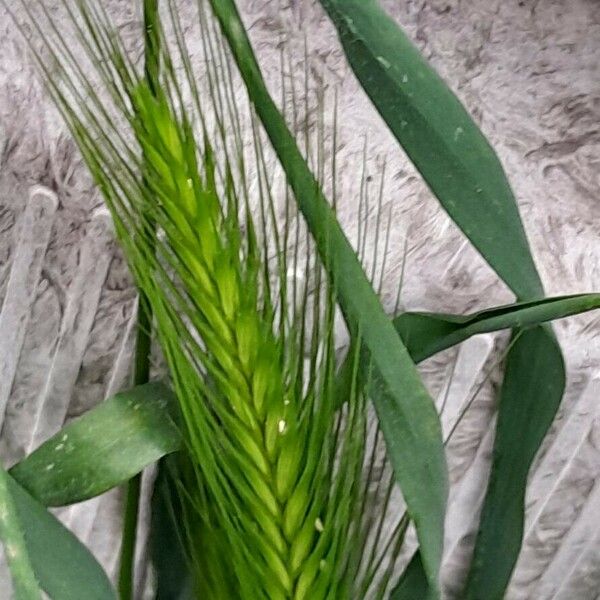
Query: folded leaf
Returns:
{"type": "Point", "coordinates": [406, 412]}
{"type": "Point", "coordinates": [425, 334]}
{"type": "Point", "coordinates": [103, 448]}
{"type": "Point", "coordinates": [63, 566]}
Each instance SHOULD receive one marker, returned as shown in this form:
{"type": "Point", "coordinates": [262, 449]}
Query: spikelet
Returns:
{"type": "Point", "coordinates": [258, 408]}
{"type": "Point", "coordinates": [271, 479]}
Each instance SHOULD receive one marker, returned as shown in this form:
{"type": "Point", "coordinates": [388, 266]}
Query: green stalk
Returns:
{"type": "Point", "coordinates": [132, 500]}
{"type": "Point", "coordinates": [143, 346]}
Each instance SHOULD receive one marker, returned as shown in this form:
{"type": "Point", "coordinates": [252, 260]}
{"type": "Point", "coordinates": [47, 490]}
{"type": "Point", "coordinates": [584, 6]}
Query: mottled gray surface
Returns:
{"type": "Point", "coordinates": [529, 73]}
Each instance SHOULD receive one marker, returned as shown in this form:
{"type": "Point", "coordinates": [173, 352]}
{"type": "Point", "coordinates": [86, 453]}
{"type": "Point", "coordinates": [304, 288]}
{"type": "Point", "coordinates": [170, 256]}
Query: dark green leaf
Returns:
{"type": "Point", "coordinates": [413, 583]}
{"type": "Point", "coordinates": [25, 585]}
{"type": "Point", "coordinates": [465, 174]}
{"type": "Point", "coordinates": [425, 334]}
{"type": "Point", "coordinates": [408, 418]}
{"type": "Point", "coordinates": [173, 578]}
{"type": "Point", "coordinates": [64, 567]}
{"type": "Point", "coordinates": [440, 138]}
{"type": "Point", "coordinates": [102, 449]}
{"type": "Point", "coordinates": [531, 393]}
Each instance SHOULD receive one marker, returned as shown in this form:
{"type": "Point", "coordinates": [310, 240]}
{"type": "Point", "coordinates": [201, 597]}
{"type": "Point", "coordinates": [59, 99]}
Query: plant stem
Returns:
{"type": "Point", "coordinates": [130, 517]}
{"type": "Point", "coordinates": [143, 340]}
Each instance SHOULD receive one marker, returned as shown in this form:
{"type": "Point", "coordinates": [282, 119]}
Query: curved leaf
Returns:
{"type": "Point", "coordinates": [407, 414]}
{"type": "Point", "coordinates": [534, 378]}
{"type": "Point", "coordinates": [440, 138]}
{"type": "Point", "coordinates": [64, 567]}
{"type": "Point", "coordinates": [463, 171]}
{"type": "Point", "coordinates": [425, 334]}
{"type": "Point", "coordinates": [15, 550]}
{"type": "Point", "coordinates": [102, 449]}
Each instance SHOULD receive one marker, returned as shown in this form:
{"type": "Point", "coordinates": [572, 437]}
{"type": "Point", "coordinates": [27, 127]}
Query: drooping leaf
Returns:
{"type": "Point", "coordinates": [530, 395]}
{"type": "Point", "coordinates": [462, 170]}
{"type": "Point", "coordinates": [425, 334]}
{"type": "Point", "coordinates": [25, 585]}
{"type": "Point", "coordinates": [439, 136]}
{"type": "Point", "coordinates": [406, 412]}
{"type": "Point", "coordinates": [103, 448]}
{"type": "Point", "coordinates": [63, 566]}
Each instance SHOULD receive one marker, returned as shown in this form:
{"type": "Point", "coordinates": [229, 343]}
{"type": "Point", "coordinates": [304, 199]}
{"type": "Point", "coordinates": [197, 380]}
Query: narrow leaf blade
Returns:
{"type": "Point", "coordinates": [465, 174]}
{"type": "Point", "coordinates": [530, 395]}
{"type": "Point", "coordinates": [64, 567]}
{"type": "Point", "coordinates": [25, 585]}
{"type": "Point", "coordinates": [440, 138]}
{"type": "Point", "coordinates": [425, 334]}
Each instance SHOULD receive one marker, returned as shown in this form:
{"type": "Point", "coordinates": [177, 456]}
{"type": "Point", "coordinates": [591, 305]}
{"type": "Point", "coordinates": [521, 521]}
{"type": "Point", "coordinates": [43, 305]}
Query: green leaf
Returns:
{"type": "Point", "coordinates": [173, 576]}
{"type": "Point", "coordinates": [425, 334]}
{"type": "Point", "coordinates": [440, 138]}
{"type": "Point", "coordinates": [102, 449]}
{"type": "Point", "coordinates": [406, 412]}
{"type": "Point", "coordinates": [462, 170]}
{"type": "Point", "coordinates": [64, 567]}
{"type": "Point", "coordinates": [412, 584]}
{"type": "Point", "coordinates": [530, 395]}
{"type": "Point", "coordinates": [24, 581]}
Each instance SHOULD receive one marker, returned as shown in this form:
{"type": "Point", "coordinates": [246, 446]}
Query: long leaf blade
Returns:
{"type": "Point", "coordinates": [465, 174]}
{"type": "Point", "coordinates": [530, 395]}
{"type": "Point", "coordinates": [102, 449]}
{"type": "Point", "coordinates": [25, 584]}
{"type": "Point", "coordinates": [406, 412]}
{"type": "Point", "coordinates": [439, 136]}
{"type": "Point", "coordinates": [64, 567]}
{"type": "Point", "coordinates": [425, 334]}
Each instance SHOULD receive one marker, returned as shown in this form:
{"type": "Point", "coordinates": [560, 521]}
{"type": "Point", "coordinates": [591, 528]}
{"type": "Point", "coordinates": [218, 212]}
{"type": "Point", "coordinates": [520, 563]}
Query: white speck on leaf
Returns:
{"type": "Point", "coordinates": [405, 78]}
{"type": "Point", "coordinates": [281, 426]}
{"type": "Point", "coordinates": [350, 24]}
{"type": "Point", "coordinates": [319, 525]}
{"type": "Point", "coordinates": [50, 467]}
{"type": "Point", "coordinates": [383, 62]}
{"type": "Point", "coordinates": [457, 133]}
